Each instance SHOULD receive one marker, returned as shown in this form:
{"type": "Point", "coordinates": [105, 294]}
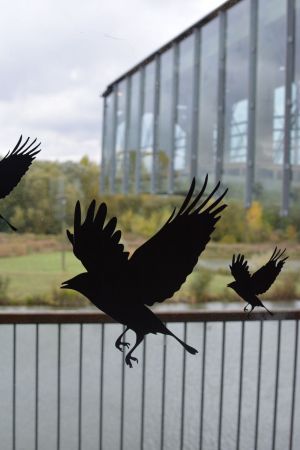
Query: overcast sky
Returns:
{"type": "Point", "coordinates": [58, 56]}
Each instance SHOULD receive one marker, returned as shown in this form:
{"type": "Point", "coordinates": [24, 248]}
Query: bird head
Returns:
{"type": "Point", "coordinates": [231, 285]}
{"type": "Point", "coordinates": [79, 283]}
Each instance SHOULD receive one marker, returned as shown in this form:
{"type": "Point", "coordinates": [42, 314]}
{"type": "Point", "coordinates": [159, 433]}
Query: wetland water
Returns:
{"type": "Point", "coordinates": [69, 377]}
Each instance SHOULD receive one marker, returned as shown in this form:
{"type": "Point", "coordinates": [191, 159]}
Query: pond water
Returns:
{"type": "Point", "coordinates": [126, 396]}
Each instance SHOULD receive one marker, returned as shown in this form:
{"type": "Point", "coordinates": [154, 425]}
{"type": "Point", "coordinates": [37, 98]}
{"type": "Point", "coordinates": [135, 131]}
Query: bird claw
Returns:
{"type": "Point", "coordinates": [119, 345]}
{"type": "Point", "coordinates": [128, 360]}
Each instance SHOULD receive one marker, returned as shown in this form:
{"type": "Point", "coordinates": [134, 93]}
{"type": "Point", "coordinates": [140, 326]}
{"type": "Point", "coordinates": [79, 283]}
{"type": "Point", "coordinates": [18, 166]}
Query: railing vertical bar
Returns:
{"type": "Point", "coordinates": [58, 383]}
{"type": "Point", "coordinates": [294, 384]}
{"type": "Point", "coordinates": [222, 384]}
{"type": "Point", "coordinates": [183, 389]}
{"type": "Point", "coordinates": [36, 437]}
{"type": "Point", "coordinates": [261, 335]}
{"type": "Point", "coordinates": [276, 385]}
{"type": "Point", "coordinates": [143, 394]}
{"type": "Point", "coordinates": [14, 387]}
{"type": "Point", "coordinates": [101, 387]}
{"type": "Point", "coordinates": [202, 385]}
{"type": "Point", "coordinates": [240, 386]}
{"type": "Point", "coordinates": [162, 431]}
{"type": "Point", "coordinates": [80, 388]}
{"type": "Point", "coordinates": [122, 398]}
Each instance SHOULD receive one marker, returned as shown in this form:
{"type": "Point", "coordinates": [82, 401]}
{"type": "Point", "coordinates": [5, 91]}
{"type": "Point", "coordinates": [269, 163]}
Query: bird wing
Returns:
{"type": "Point", "coordinates": [267, 274]}
{"type": "Point", "coordinates": [97, 245]}
{"type": "Point", "coordinates": [240, 269]}
{"type": "Point", "coordinates": [160, 266]}
{"type": "Point", "coordinates": [15, 164]}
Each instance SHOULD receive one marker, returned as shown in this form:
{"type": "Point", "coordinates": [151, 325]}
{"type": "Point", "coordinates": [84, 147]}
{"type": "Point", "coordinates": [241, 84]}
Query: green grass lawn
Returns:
{"type": "Point", "coordinates": [37, 273]}
{"type": "Point", "coordinates": [36, 277]}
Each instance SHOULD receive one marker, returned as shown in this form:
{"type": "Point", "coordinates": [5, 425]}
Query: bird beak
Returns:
{"type": "Point", "coordinates": [64, 285]}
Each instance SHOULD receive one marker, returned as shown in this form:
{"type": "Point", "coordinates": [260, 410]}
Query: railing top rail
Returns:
{"type": "Point", "coordinates": [67, 317]}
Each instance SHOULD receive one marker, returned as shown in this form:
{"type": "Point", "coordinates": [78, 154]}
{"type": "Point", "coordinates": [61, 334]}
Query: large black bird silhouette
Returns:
{"type": "Point", "coordinates": [249, 286]}
{"type": "Point", "coordinates": [124, 287]}
{"type": "Point", "coordinates": [14, 165]}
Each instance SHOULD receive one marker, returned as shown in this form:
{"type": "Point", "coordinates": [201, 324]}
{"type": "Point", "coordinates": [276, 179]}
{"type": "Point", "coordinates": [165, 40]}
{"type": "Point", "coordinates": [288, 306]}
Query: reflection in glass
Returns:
{"type": "Point", "coordinates": [236, 98]}
{"type": "Point", "coordinates": [295, 114]}
{"type": "Point", "coordinates": [146, 159]}
{"type": "Point", "coordinates": [164, 144]}
{"type": "Point", "coordinates": [120, 136]}
{"type": "Point", "coordinates": [270, 99]}
{"type": "Point", "coordinates": [207, 128]}
{"type": "Point", "coordinates": [107, 151]}
{"type": "Point", "coordinates": [133, 132]}
{"type": "Point", "coordinates": [184, 112]}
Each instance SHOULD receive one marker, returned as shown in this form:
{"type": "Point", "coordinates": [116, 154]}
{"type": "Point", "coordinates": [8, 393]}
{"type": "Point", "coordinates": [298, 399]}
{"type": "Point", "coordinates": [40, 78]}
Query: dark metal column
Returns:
{"type": "Point", "coordinates": [127, 128]}
{"type": "Point", "coordinates": [174, 115]}
{"type": "Point", "coordinates": [104, 125]}
{"type": "Point", "coordinates": [140, 123]}
{"type": "Point", "coordinates": [251, 102]}
{"type": "Point", "coordinates": [113, 144]}
{"type": "Point", "coordinates": [195, 119]}
{"type": "Point", "coordinates": [155, 125]}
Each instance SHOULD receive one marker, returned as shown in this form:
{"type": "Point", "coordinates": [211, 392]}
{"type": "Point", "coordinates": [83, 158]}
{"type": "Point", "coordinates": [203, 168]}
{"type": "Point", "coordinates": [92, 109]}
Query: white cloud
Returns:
{"type": "Point", "coordinates": [57, 56]}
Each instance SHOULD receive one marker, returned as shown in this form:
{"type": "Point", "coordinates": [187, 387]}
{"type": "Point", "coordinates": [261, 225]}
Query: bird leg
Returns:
{"type": "Point", "coordinates": [245, 309]}
{"type": "Point", "coordinates": [120, 344]}
{"type": "Point", "coordinates": [129, 358]}
{"type": "Point", "coordinates": [252, 307]}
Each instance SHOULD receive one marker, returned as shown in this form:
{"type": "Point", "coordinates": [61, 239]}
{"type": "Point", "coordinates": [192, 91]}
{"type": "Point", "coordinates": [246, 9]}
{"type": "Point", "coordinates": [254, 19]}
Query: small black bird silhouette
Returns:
{"type": "Point", "coordinates": [249, 286]}
{"type": "Point", "coordinates": [14, 165]}
{"type": "Point", "coordinates": [123, 287]}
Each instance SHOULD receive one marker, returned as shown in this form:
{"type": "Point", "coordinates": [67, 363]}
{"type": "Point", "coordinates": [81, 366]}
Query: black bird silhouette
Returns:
{"type": "Point", "coordinates": [249, 286]}
{"type": "Point", "coordinates": [123, 287]}
{"type": "Point", "coordinates": [14, 165]}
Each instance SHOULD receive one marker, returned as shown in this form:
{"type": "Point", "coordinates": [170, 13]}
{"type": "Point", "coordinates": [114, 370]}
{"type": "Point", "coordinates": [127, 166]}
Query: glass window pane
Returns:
{"type": "Point", "coordinates": [295, 114]}
{"type": "Point", "coordinates": [107, 153]}
{"type": "Point", "coordinates": [147, 130]}
{"type": "Point", "coordinates": [271, 50]}
{"type": "Point", "coordinates": [236, 98]}
{"type": "Point", "coordinates": [133, 132]}
{"type": "Point", "coordinates": [120, 135]}
{"type": "Point", "coordinates": [208, 89]}
{"type": "Point", "coordinates": [164, 144]}
{"type": "Point", "coordinates": [184, 111]}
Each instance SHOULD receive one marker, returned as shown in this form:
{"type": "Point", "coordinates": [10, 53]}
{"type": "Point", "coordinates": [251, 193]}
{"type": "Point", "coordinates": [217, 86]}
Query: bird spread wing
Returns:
{"type": "Point", "coordinates": [240, 269]}
{"type": "Point", "coordinates": [161, 265]}
{"type": "Point", "coordinates": [97, 245]}
{"type": "Point", "coordinates": [267, 274]}
{"type": "Point", "coordinates": [15, 164]}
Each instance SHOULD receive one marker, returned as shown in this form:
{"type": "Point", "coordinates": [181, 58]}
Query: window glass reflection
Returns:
{"type": "Point", "coordinates": [184, 111]}
{"type": "Point", "coordinates": [164, 143]}
{"type": "Point", "coordinates": [207, 128]}
{"type": "Point", "coordinates": [236, 98]}
{"type": "Point", "coordinates": [120, 135]}
{"type": "Point", "coordinates": [146, 159]}
{"type": "Point", "coordinates": [295, 115]}
{"type": "Point", "coordinates": [133, 132]}
{"type": "Point", "coordinates": [271, 50]}
{"type": "Point", "coordinates": [107, 153]}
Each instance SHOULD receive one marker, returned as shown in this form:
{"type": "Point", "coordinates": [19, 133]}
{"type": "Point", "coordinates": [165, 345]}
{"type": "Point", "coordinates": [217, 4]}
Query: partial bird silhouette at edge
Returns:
{"type": "Point", "coordinates": [124, 287]}
{"type": "Point", "coordinates": [249, 286]}
{"type": "Point", "coordinates": [14, 165]}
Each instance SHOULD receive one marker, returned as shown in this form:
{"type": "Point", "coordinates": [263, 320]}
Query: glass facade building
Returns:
{"type": "Point", "coordinates": [221, 98]}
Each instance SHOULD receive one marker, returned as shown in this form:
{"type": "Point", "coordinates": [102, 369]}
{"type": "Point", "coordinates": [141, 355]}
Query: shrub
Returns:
{"type": "Point", "coordinates": [285, 288]}
{"type": "Point", "coordinates": [196, 288]}
{"type": "Point", "coordinates": [4, 283]}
